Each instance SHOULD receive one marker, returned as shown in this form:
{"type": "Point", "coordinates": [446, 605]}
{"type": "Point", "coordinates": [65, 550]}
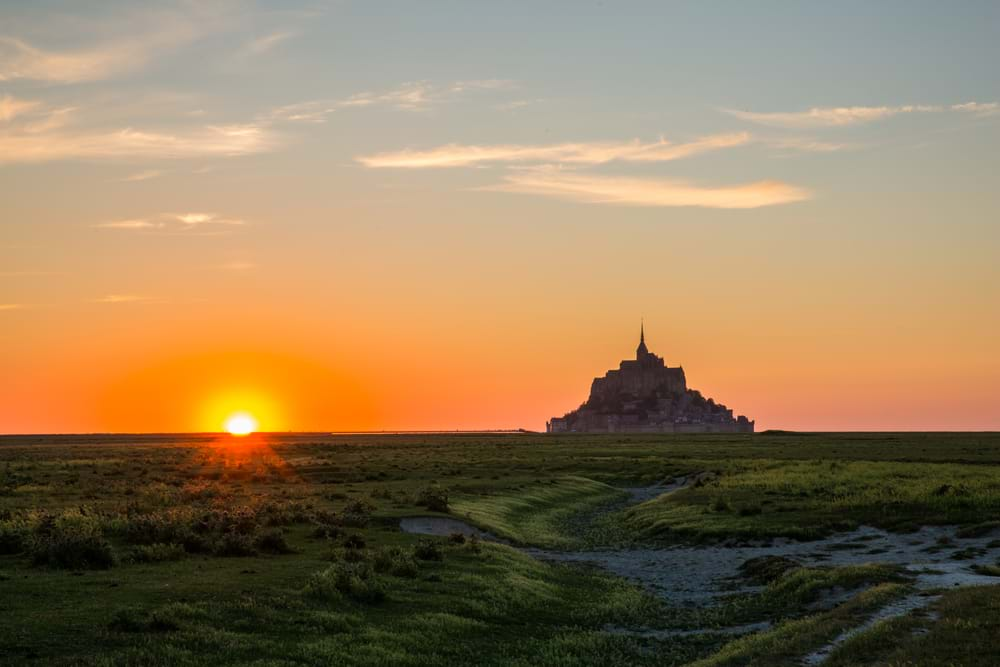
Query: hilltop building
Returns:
{"type": "Point", "coordinates": [644, 395]}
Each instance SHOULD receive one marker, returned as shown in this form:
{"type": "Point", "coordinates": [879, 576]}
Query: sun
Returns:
{"type": "Point", "coordinates": [241, 423]}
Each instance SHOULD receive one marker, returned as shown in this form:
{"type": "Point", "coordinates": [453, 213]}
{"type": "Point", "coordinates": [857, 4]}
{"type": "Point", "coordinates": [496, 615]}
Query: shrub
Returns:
{"type": "Point", "coordinates": [156, 553]}
{"type": "Point", "coordinates": [273, 542]}
{"type": "Point", "coordinates": [196, 544]}
{"type": "Point", "coordinates": [284, 513]}
{"type": "Point", "coordinates": [354, 541]}
{"type": "Point", "coordinates": [325, 531]}
{"type": "Point", "coordinates": [395, 561]}
{"type": "Point", "coordinates": [12, 538]}
{"type": "Point", "coordinates": [357, 514]}
{"type": "Point", "coordinates": [428, 550]}
{"type": "Point", "coordinates": [242, 520]}
{"type": "Point", "coordinates": [434, 498]}
{"type": "Point", "coordinates": [457, 538]}
{"type": "Point", "coordinates": [234, 544]}
{"type": "Point", "coordinates": [156, 528]}
{"type": "Point", "coordinates": [356, 581]}
{"type": "Point", "coordinates": [71, 541]}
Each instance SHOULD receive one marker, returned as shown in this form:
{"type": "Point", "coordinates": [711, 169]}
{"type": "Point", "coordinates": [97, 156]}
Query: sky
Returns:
{"type": "Point", "coordinates": [452, 215]}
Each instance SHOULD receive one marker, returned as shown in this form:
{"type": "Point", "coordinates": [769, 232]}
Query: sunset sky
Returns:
{"type": "Point", "coordinates": [452, 215]}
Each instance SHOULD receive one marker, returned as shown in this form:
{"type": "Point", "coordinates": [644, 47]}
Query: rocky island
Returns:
{"type": "Point", "coordinates": [645, 395]}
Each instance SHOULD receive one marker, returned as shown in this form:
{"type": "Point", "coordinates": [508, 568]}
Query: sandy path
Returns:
{"type": "Point", "coordinates": [698, 575]}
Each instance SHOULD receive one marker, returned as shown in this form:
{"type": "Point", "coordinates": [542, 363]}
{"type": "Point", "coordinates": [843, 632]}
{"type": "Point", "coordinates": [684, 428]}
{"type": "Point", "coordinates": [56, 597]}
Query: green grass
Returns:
{"type": "Point", "coordinates": [809, 499]}
{"type": "Point", "coordinates": [253, 553]}
{"type": "Point", "coordinates": [792, 640]}
{"type": "Point", "coordinates": [786, 596]}
{"type": "Point", "coordinates": [964, 630]}
{"type": "Point", "coordinates": [538, 514]}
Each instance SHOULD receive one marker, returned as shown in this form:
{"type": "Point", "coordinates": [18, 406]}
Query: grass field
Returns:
{"type": "Point", "coordinates": [286, 549]}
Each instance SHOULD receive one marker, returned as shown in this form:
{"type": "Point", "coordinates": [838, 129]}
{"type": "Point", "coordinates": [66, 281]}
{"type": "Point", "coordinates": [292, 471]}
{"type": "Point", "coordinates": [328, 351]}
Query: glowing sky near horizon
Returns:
{"type": "Point", "coordinates": [451, 215]}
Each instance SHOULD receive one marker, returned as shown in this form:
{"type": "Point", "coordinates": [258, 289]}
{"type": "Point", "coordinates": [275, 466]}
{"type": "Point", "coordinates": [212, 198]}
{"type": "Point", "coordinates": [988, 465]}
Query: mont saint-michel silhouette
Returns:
{"type": "Point", "coordinates": [644, 395]}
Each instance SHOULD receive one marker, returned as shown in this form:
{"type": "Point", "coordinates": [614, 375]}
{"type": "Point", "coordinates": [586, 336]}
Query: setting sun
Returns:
{"type": "Point", "coordinates": [241, 423]}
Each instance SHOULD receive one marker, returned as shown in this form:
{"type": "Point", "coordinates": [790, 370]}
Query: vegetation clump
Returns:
{"type": "Point", "coordinates": [395, 561]}
{"type": "Point", "coordinates": [765, 569]}
{"type": "Point", "coordinates": [357, 514]}
{"type": "Point", "coordinates": [357, 581]}
{"type": "Point", "coordinates": [273, 542]}
{"type": "Point", "coordinates": [156, 553]}
{"type": "Point", "coordinates": [234, 544]}
{"type": "Point", "coordinates": [428, 550]}
{"type": "Point", "coordinates": [434, 498]}
{"type": "Point", "coordinates": [73, 541]}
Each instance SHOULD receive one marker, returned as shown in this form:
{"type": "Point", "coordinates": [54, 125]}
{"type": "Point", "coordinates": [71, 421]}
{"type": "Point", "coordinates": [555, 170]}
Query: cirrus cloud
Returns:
{"type": "Point", "coordinates": [574, 186]}
{"type": "Point", "coordinates": [586, 153]}
{"type": "Point", "coordinates": [122, 298]}
{"type": "Point", "coordinates": [10, 107]}
{"type": "Point", "coordinates": [20, 60]}
{"type": "Point", "coordinates": [25, 145]}
{"type": "Point", "coordinates": [179, 223]}
{"type": "Point", "coordinates": [843, 116]}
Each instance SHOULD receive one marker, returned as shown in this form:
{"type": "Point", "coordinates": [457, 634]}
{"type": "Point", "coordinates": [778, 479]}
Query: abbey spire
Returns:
{"type": "Point", "coordinates": [641, 351]}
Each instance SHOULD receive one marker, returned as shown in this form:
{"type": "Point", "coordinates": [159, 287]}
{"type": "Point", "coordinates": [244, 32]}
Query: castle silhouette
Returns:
{"type": "Point", "coordinates": [645, 395]}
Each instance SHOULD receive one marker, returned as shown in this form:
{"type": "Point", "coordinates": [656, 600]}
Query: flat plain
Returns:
{"type": "Point", "coordinates": [518, 549]}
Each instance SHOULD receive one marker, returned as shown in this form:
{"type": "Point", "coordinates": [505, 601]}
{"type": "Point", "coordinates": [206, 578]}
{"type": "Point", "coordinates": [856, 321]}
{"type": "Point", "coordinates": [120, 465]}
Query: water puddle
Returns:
{"type": "Point", "coordinates": [443, 527]}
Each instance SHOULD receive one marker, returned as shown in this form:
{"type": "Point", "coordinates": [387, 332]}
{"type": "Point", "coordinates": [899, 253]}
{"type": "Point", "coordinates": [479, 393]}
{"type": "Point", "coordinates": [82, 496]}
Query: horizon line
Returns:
{"type": "Point", "coordinates": [512, 431]}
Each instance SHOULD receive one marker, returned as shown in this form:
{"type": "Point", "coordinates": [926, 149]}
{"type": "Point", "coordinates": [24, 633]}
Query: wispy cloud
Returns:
{"type": "Point", "coordinates": [142, 176]}
{"type": "Point", "coordinates": [122, 298]}
{"type": "Point", "coordinates": [410, 96]}
{"type": "Point", "coordinates": [574, 186]}
{"type": "Point", "coordinates": [11, 107]}
{"type": "Point", "coordinates": [192, 219]}
{"type": "Point", "coordinates": [807, 145]}
{"type": "Point", "coordinates": [20, 60]}
{"type": "Point", "coordinates": [514, 105]}
{"type": "Point", "coordinates": [843, 116]}
{"type": "Point", "coordinates": [11, 306]}
{"type": "Point", "coordinates": [266, 43]}
{"type": "Point", "coordinates": [587, 153]}
{"type": "Point", "coordinates": [138, 223]}
{"type": "Point", "coordinates": [419, 95]}
{"type": "Point", "coordinates": [482, 84]}
{"type": "Point", "coordinates": [172, 222]}
{"type": "Point", "coordinates": [126, 41]}
{"type": "Point", "coordinates": [978, 108]}
{"type": "Point", "coordinates": [49, 143]}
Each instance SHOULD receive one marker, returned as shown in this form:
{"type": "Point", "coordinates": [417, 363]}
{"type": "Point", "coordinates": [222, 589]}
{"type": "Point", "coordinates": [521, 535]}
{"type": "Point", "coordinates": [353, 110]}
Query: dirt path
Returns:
{"type": "Point", "coordinates": [699, 575]}
{"type": "Point", "coordinates": [901, 607]}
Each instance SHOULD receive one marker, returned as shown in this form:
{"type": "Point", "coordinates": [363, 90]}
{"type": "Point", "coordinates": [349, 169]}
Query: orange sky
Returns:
{"type": "Point", "coordinates": [362, 217]}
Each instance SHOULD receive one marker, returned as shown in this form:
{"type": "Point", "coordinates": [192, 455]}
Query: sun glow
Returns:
{"type": "Point", "coordinates": [241, 423]}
